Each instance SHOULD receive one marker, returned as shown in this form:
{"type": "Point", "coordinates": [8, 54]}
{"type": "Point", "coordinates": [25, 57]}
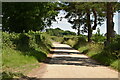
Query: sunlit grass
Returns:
{"type": "Point", "coordinates": [96, 51]}
{"type": "Point", "coordinates": [14, 59]}
{"type": "Point", "coordinates": [23, 51]}
{"type": "Point", "coordinates": [116, 64]}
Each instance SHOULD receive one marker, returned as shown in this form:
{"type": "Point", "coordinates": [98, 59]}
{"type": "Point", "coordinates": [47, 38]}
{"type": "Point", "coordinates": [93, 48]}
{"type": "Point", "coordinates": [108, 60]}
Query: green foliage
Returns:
{"type": "Point", "coordinates": [116, 64]}
{"type": "Point", "coordinates": [75, 41]}
{"type": "Point", "coordinates": [15, 59]}
{"type": "Point", "coordinates": [98, 38]}
{"type": "Point", "coordinates": [20, 49]}
{"type": "Point", "coordinates": [114, 47]}
{"type": "Point", "coordinates": [57, 39]}
{"type": "Point", "coordinates": [100, 57]}
{"type": "Point", "coordinates": [108, 56]}
{"type": "Point", "coordinates": [68, 33]}
{"type": "Point", "coordinates": [77, 14]}
{"type": "Point", "coordinates": [10, 75]}
{"type": "Point", "coordinates": [59, 32]}
{"type": "Point", "coordinates": [70, 42]}
{"type": "Point", "coordinates": [25, 16]}
{"type": "Point", "coordinates": [81, 41]}
{"type": "Point", "coordinates": [26, 40]}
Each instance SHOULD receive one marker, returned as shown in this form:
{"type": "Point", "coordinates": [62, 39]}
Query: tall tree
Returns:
{"type": "Point", "coordinates": [109, 21]}
{"type": "Point", "coordinates": [75, 15]}
{"type": "Point", "coordinates": [89, 25]}
{"type": "Point", "coordinates": [19, 17]}
{"type": "Point", "coordinates": [79, 14]}
{"type": "Point", "coordinates": [106, 10]}
{"type": "Point", "coordinates": [110, 9]}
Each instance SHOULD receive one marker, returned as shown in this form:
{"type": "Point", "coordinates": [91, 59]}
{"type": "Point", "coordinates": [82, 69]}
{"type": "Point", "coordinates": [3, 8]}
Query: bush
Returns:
{"type": "Point", "coordinates": [98, 38]}
{"type": "Point", "coordinates": [71, 42]}
{"type": "Point", "coordinates": [58, 32]}
{"type": "Point", "coordinates": [81, 41]}
{"type": "Point", "coordinates": [108, 55]}
{"type": "Point", "coordinates": [28, 40]}
{"type": "Point", "coordinates": [114, 47]}
{"type": "Point", "coordinates": [20, 49]}
{"type": "Point", "coordinates": [75, 41]}
{"type": "Point", "coordinates": [57, 39]}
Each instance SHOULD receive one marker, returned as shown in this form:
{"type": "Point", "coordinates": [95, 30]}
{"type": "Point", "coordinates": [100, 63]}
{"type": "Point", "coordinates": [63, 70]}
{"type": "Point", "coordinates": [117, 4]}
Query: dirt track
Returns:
{"type": "Point", "coordinates": [69, 63]}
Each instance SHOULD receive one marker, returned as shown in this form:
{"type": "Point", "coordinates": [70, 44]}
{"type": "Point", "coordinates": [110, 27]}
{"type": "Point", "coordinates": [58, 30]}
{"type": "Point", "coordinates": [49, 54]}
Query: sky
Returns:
{"type": "Point", "coordinates": [64, 25]}
{"type": "Point", "coordinates": [119, 23]}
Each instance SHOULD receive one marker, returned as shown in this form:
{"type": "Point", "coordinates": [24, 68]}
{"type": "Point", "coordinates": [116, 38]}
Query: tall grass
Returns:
{"type": "Point", "coordinates": [108, 55]}
{"type": "Point", "coordinates": [57, 39]}
{"type": "Point", "coordinates": [23, 51]}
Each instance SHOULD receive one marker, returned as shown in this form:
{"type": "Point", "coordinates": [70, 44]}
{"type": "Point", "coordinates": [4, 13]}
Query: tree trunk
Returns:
{"type": "Point", "coordinates": [78, 30]}
{"type": "Point", "coordinates": [89, 26]}
{"type": "Point", "coordinates": [110, 26]}
{"type": "Point", "coordinates": [95, 20]}
{"type": "Point", "coordinates": [78, 22]}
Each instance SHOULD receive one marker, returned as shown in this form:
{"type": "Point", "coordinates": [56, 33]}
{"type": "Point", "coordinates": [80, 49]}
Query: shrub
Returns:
{"type": "Point", "coordinates": [114, 47]}
{"type": "Point", "coordinates": [25, 44]}
{"type": "Point", "coordinates": [58, 32]}
{"type": "Point", "coordinates": [71, 42]}
{"type": "Point", "coordinates": [23, 51]}
{"type": "Point", "coordinates": [57, 39]}
{"type": "Point", "coordinates": [98, 38]}
{"type": "Point", "coordinates": [108, 55]}
{"type": "Point", "coordinates": [80, 41]}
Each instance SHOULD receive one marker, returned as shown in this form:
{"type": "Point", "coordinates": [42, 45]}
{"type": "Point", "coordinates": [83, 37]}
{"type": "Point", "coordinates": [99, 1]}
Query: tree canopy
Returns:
{"type": "Point", "coordinates": [22, 17]}
{"type": "Point", "coordinates": [90, 15]}
{"type": "Point", "coordinates": [19, 17]}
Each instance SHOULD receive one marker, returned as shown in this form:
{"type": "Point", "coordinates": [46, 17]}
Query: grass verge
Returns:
{"type": "Point", "coordinates": [22, 52]}
{"type": "Point", "coordinates": [108, 56]}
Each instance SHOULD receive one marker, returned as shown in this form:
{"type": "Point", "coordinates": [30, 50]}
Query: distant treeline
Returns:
{"type": "Point", "coordinates": [59, 32]}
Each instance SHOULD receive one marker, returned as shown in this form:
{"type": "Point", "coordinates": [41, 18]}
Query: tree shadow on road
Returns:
{"type": "Point", "coordinates": [66, 60]}
{"type": "Point", "coordinates": [77, 61]}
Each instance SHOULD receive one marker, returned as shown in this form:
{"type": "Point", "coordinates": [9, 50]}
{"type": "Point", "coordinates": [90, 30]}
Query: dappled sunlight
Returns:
{"type": "Point", "coordinates": [65, 55]}
{"type": "Point", "coordinates": [77, 61]}
{"type": "Point", "coordinates": [43, 40]}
